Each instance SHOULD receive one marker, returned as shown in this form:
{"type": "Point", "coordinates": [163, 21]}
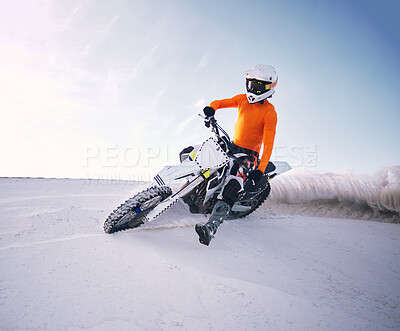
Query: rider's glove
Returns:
{"type": "Point", "coordinates": [255, 175]}
{"type": "Point", "coordinates": [209, 111]}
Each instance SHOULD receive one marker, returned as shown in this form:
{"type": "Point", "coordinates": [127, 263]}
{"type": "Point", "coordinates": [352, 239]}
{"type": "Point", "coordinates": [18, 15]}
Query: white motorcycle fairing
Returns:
{"type": "Point", "coordinates": [209, 156]}
{"type": "Point", "coordinates": [195, 169]}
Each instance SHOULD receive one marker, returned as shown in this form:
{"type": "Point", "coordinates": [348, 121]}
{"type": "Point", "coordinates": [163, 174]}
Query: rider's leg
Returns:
{"type": "Point", "coordinates": [230, 194]}
{"type": "Point", "coordinates": [223, 207]}
{"type": "Point", "coordinates": [220, 211]}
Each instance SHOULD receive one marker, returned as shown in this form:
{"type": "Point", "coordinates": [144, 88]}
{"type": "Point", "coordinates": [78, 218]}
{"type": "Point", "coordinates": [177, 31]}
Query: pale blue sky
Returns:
{"type": "Point", "coordinates": [122, 81]}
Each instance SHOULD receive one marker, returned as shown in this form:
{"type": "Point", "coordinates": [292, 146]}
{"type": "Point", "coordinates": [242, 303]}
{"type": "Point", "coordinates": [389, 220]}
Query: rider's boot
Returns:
{"type": "Point", "coordinates": [207, 231]}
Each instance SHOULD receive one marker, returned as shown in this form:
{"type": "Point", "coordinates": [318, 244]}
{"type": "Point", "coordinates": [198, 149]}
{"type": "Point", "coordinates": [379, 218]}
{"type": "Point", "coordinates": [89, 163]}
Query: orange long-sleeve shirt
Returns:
{"type": "Point", "coordinates": [256, 124]}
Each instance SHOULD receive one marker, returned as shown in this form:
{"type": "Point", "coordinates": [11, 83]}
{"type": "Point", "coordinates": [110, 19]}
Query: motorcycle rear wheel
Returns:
{"type": "Point", "coordinates": [250, 202]}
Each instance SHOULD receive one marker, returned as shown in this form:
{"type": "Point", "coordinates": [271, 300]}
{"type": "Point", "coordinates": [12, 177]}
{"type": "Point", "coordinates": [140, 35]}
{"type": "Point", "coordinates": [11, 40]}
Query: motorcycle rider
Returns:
{"type": "Point", "coordinates": [256, 125]}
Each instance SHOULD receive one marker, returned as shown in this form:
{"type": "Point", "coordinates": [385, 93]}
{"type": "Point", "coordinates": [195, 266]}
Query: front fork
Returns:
{"type": "Point", "coordinates": [181, 193]}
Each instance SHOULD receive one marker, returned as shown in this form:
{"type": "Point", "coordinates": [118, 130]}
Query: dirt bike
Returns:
{"type": "Point", "coordinates": [201, 173]}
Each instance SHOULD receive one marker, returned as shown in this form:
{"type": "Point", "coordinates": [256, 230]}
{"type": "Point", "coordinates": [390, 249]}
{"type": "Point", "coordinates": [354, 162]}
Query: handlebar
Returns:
{"type": "Point", "coordinates": [215, 127]}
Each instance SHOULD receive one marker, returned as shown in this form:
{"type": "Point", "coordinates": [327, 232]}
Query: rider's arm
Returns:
{"type": "Point", "coordinates": [268, 138]}
{"type": "Point", "coordinates": [226, 103]}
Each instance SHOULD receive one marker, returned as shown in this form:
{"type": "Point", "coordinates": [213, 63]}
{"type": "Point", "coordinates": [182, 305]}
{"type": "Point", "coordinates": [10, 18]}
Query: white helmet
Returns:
{"type": "Point", "coordinates": [260, 82]}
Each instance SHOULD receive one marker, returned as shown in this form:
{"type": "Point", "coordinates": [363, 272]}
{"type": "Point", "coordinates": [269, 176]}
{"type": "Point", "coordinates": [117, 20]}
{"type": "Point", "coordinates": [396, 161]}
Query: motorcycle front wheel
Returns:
{"type": "Point", "coordinates": [131, 213]}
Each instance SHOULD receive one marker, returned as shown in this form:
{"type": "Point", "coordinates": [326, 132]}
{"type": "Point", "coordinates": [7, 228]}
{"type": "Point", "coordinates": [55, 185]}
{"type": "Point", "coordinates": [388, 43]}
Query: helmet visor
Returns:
{"type": "Point", "coordinates": [258, 87]}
